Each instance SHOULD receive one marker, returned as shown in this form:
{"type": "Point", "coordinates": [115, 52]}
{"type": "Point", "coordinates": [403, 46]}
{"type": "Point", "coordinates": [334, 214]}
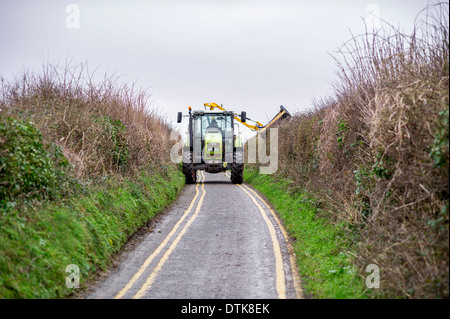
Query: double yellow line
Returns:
{"type": "Point", "coordinates": [280, 274]}
{"type": "Point", "coordinates": [151, 278]}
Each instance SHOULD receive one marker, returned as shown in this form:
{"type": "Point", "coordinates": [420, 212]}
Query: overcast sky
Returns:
{"type": "Point", "coordinates": [247, 55]}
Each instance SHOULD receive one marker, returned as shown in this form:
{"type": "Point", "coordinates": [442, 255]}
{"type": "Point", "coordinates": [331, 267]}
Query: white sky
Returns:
{"type": "Point", "coordinates": [246, 55]}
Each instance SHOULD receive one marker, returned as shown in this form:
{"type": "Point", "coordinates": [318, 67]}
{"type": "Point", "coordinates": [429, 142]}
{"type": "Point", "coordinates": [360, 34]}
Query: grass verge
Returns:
{"type": "Point", "coordinates": [38, 242]}
{"type": "Point", "coordinates": [323, 250]}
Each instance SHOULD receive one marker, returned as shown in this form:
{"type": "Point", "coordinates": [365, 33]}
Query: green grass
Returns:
{"type": "Point", "coordinates": [322, 249]}
{"type": "Point", "coordinates": [38, 242]}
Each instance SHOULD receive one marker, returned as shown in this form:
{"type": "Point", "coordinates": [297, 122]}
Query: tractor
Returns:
{"type": "Point", "coordinates": [213, 141]}
{"type": "Point", "coordinates": [212, 145]}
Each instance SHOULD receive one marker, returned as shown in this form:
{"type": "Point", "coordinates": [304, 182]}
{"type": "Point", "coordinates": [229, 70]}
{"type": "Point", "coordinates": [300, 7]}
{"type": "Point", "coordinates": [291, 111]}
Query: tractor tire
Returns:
{"type": "Point", "coordinates": [237, 168]}
{"type": "Point", "coordinates": [188, 168]}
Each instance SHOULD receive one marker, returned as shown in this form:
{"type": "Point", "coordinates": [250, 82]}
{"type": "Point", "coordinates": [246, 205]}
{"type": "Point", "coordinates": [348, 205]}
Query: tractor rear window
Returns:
{"type": "Point", "coordinates": [220, 121]}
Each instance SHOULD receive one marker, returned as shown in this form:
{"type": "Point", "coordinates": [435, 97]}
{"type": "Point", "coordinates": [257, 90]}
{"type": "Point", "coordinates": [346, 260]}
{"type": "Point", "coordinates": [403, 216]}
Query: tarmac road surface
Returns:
{"type": "Point", "coordinates": [217, 241]}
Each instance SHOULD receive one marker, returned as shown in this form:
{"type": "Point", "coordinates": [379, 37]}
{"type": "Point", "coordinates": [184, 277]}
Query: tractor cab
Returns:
{"type": "Point", "coordinates": [213, 137]}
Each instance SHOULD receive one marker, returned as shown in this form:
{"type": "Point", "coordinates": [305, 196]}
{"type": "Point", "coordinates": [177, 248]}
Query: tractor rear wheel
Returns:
{"type": "Point", "coordinates": [237, 168]}
{"type": "Point", "coordinates": [188, 168]}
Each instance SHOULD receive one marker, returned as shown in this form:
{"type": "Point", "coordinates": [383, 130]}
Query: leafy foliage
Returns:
{"type": "Point", "coordinates": [117, 133]}
{"type": "Point", "coordinates": [28, 168]}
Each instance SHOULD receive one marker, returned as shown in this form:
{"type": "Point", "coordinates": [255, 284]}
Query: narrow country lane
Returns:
{"type": "Point", "coordinates": [219, 240]}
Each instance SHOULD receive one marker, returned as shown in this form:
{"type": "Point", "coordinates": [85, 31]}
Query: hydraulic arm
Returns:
{"type": "Point", "coordinates": [282, 114]}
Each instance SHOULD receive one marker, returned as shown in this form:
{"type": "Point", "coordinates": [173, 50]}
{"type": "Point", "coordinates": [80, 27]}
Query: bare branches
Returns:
{"type": "Point", "coordinates": [367, 152]}
{"type": "Point", "coordinates": [104, 126]}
